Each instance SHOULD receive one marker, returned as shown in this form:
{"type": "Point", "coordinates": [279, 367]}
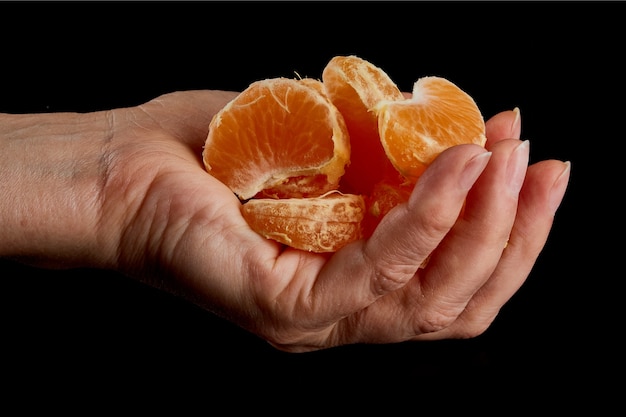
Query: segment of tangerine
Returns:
{"type": "Point", "coordinates": [291, 138]}
{"type": "Point", "coordinates": [280, 137]}
{"type": "Point", "coordinates": [415, 130]}
{"type": "Point", "coordinates": [355, 86]}
{"type": "Point", "coordinates": [315, 224]}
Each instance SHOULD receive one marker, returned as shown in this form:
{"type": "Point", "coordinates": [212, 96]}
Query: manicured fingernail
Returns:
{"type": "Point", "coordinates": [516, 169]}
{"type": "Point", "coordinates": [473, 168]}
{"type": "Point", "coordinates": [560, 185]}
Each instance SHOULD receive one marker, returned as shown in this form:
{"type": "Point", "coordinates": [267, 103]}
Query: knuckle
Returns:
{"type": "Point", "coordinates": [439, 221]}
{"type": "Point", "coordinates": [432, 321]}
{"type": "Point", "coordinates": [390, 277]}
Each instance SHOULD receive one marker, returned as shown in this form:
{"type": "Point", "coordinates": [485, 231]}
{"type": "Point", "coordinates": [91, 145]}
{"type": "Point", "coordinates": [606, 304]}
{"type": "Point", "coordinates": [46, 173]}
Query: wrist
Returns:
{"type": "Point", "coordinates": [51, 174]}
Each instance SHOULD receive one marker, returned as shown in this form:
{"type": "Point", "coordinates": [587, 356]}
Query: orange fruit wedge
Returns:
{"type": "Point", "coordinates": [356, 86]}
{"type": "Point", "coordinates": [316, 224]}
{"type": "Point", "coordinates": [394, 138]}
{"type": "Point", "coordinates": [438, 115]}
{"type": "Point", "coordinates": [279, 137]}
{"type": "Point", "coordinates": [318, 164]}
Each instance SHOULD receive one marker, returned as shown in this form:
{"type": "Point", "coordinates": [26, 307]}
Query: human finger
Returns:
{"type": "Point", "coordinates": [186, 115]}
{"type": "Point", "coordinates": [362, 272]}
{"type": "Point", "coordinates": [470, 252]}
{"type": "Point", "coordinates": [504, 125]}
{"type": "Point", "coordinates": [540, 197]}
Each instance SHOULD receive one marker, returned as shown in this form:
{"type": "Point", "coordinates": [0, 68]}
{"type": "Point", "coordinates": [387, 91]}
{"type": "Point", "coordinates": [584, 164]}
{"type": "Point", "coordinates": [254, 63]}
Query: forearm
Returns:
{"type": "Point", "coordinates": [51, 174]}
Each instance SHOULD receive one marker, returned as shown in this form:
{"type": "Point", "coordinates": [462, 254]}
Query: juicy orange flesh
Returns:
{"type": "Point", "coordinates": [273, 148]}
{"type": "Point", "coordinates": [371, 83]}
{"type": "Point", "coordinates": [439, 115]}
{"type": "Point", "coordinates": [349, 81]}
{"type": "Point", "coordinates": [317, 224]}
{"type": "Point", "coordinates": [270, 132]}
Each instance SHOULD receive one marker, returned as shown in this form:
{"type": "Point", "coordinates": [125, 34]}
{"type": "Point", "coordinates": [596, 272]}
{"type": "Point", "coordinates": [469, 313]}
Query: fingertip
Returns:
{"type": "Point", "coordinates": [545, 186]}
{"type": "Point", "coordinates": [473, 168]}
{"type": "Point", "coordinates": [452, 173]}
{"type": "Point", "coordinates": [504, 125]}
{"type": "Point", "coordinates": [558, 188]}
{"type": "Point", "coordinates": [516, 126]}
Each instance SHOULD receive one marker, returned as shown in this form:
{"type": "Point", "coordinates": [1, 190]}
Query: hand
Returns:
{"type": "Point", "coordinates": [481, 218]}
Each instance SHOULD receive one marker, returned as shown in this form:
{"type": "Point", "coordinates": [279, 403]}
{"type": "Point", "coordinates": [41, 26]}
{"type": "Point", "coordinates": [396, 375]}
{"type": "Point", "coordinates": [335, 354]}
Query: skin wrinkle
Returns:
{"type": "Point", "coordinates": [127, 236]}
{"type": "Point", "coordinates": [269, 326]}
{"type": "Point", "coordinates": [432, 313]}
{"type": "Point", "coordinates": [102, 169]}
{"type": "Point", "coordinates": [146, 112]}
{"type": "Point", "coordinates": [257, 272]}
{"type": "Point", "coordinates": [437, 315]}
{"type": "Point", "coordinates": [410, 299]}
{"type": "Point", "coordinates": [119, 184]}
{"type": "Point", "coordinates": [159, 212]}
{"type": "Point", "coordinates": [310, 295]}
{"type": "Point", "coordinates": [131, 118]}
{"type": "Point", "coordinates": [110, 181]}
{"type": "Point", "coordinates": [84, 180]}
{"type": "Point", "coordinates": [106, 158]}
{"type": "Point", "coordinates": [216, 234]}
{"type": "Point", "coordinates": [427, 235]}
{"type": "Point", "coordinates": [307, 293]}
{"type": "Point", "coordinates": [441, 302]}
{"type": "Point", "coordinates": [386, 277]}
{"type": "Point", "coordinates": [164, 123]}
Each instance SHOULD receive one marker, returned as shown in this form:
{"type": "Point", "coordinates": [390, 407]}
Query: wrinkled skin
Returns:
{"type": "Point", "coordinates": [126, 190]}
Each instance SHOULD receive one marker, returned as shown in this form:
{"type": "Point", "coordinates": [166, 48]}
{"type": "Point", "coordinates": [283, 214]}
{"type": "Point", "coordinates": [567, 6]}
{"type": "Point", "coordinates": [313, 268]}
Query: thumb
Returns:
{"type": "Point", "coordinates": [186, 114]}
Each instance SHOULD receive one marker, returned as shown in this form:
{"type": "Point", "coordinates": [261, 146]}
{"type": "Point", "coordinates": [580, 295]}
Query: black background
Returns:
{"type": "Point", "coordinates": [560, 63]}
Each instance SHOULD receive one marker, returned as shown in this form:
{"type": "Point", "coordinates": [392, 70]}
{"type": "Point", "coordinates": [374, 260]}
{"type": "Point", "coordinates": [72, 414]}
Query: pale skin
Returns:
{"type": "Point", "coordinates": [126, 190]}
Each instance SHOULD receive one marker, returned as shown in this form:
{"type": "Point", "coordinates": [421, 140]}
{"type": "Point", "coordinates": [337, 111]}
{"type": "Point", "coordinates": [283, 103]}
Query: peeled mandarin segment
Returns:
{"type": "Point", "coordinates": [439, 115]}
{"type": "Point", "coordinates": [275, 133]}
{"type": "Point", "coordinates": [315, 224]}
{"type": "Point", "coordinates": [292, 140]}
{"type": "Point", "coordinates": [355, 86]}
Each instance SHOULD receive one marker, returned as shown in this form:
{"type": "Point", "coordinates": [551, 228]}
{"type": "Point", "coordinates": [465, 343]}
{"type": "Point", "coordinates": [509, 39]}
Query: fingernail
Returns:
{"type": "Point", "coordinates": [558, 188]}
{"type": "Point", "coordinates": [473, 168]}
{"type": "Point", "coordinates": [515, 126]}
{"type": "Point", "coordinates": [516, 169]}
